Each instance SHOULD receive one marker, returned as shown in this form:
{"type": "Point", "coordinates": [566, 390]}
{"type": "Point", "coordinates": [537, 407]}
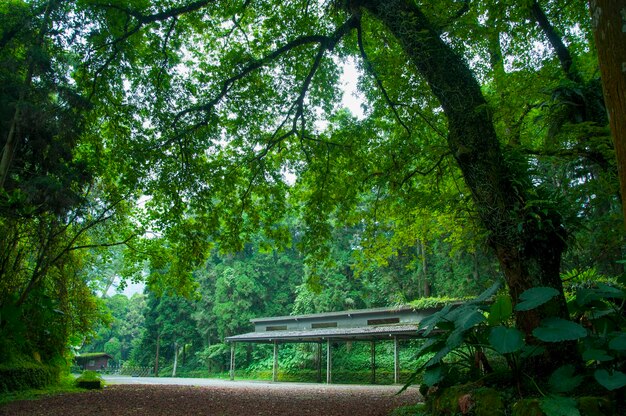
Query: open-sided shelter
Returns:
{"type": "Point", "coordinates": [371, 325]}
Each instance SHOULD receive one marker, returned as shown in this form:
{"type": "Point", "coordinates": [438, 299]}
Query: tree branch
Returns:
{"type": "Point", "coordinates": [157, 17]}
{"type": "Point", "coordinates": [427, 171]}
{"type": "Point", "coordinates": [565, 58]}
{"type": "Point", "coordinates": [326, 43]}
{"type": "Point", "coordinates": [103, 245]}
{"type": "Point", "coordinates": [379, 82]}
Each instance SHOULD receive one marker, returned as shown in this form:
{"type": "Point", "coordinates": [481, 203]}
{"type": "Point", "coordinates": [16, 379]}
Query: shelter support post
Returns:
{"type": "Point", "coordinates": [329, 362]}
{"type": "Point", "coordinates": [319, 362]}
{"type": "Point", "coordinates": [373, 361]}
{"type": "Point", "coordinates": [396, 361]}
{"type": "Point", "coordinates": [232, 361]}
{"type": "Point", "coordinates": [275, 367]}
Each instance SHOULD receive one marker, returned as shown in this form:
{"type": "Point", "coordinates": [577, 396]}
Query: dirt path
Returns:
{"type": "Point", "coordinates": [223, 400]}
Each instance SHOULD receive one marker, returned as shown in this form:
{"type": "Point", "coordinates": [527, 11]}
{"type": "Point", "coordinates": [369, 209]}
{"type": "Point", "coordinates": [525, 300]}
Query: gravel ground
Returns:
{"type": "Point", "coordinates": [220, 400]}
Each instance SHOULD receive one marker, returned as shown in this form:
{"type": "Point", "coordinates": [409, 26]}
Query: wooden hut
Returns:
{"type": "Point", "coordinates": [93, 361]}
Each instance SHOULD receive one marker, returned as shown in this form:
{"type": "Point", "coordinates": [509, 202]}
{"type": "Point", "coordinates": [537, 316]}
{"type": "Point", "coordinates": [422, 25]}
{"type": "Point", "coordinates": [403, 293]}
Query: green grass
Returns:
{"type": "Point", "coordinates": [89, 375]}
{"type": "Point", "coordinates": [418, 409]}
{"type": "Point", "coordinates": [67, 384]}
{"type": "Point", "coordinates": [90, 380]}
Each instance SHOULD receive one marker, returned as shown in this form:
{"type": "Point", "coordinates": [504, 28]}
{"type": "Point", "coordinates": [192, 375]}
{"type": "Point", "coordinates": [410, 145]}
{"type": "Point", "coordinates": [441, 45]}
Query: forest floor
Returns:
{"type": "Point", "coordinates": [221, 400]}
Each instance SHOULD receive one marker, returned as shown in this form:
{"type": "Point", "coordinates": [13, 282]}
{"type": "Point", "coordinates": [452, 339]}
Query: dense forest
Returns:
{"type": "Point", "coordinates": [202, 147]}
{"type": "Point", "coordinates": [232, 289]}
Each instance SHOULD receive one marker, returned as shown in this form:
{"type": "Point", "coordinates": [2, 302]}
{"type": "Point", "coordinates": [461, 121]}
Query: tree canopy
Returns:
{"type": "Point", "coordinates": [175, 128]}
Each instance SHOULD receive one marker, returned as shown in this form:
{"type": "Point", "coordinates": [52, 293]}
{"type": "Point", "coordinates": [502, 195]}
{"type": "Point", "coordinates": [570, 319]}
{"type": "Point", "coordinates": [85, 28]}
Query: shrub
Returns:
{"type": "Point", "coordinates": [26, 375]}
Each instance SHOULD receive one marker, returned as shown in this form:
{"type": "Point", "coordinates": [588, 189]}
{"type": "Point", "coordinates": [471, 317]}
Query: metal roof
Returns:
{"type": "Point", "coordinates": [348, 313]}
{"type": "Point", "coordinates": [368, 333]}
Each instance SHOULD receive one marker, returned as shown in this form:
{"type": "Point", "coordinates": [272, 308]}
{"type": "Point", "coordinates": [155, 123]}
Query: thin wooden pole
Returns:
{"type": "Point", "coordinates": [232, 361]}
{"type": "Point", "coordinates": [329, 362]}
{"type": "Point", "coordinates": [373, 361]}
{"type": "Point", "coordinates": [396, 361]}
{"type": "Point", "coordinates": [275, 367]}
{"type": "Point", "coordinates": [319, 362]}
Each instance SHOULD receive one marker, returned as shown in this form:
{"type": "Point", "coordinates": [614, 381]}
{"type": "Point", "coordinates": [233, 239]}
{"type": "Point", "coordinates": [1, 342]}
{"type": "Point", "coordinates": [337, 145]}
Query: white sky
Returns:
{"type": "Point", "coordinates": [352, 99]}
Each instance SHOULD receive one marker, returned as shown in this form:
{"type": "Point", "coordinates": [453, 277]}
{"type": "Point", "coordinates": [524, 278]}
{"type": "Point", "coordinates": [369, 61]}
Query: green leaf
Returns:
{"type": "Point", "coordinates": [469, 320]}
{"type": "Point", "coordinates": [610, 381]}
{"type": "Point", "coordinates": [535, 297]}
{"type": "Point", "coordinates": [596, 355]}
{"type": "Point", "coordinates": [563, 379]}
{"type": "Point", "coordinates": [430, 323]}
{"type": "Point", "coordinates": [432, 375]}
{"type": "Point", "coordinates": [500, 310]}
{"type": "Point", "coordinates": [599, 313]}
{"type": "Point", "coordinates": [619, 342]}
{"type": "Point", "coordinates": [558, 330]}
{"type": "Point", "coordinates": [454, 339]}
{"type": "Point", "coordinates": [487, 293]}
{"type": "Point", "coordinates": [559, 406]}
{"type": "Point", "coordinates": [603, 291]}
{"type": "Point", "coordinates": [530, 351]}
{"type": "Point", "coordinates": [431, 345]}
{"type": "Point", "coordinates": [506, 340]}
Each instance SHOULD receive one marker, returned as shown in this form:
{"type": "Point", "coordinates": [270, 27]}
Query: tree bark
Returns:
{"type": "Point", "coordinates": [527, 241]}
{"type": "Point", "coordinates": [609, 30]}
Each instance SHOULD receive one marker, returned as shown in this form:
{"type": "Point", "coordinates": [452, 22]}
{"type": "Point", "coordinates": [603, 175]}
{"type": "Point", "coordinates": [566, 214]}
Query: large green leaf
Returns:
{"type": "Point", "coordinates": [558, 330]}
{"type": "Point", "coordinates": [596, 313]}
{"type": "Point", "coordinates": [436, 359]}
{"type": "Point", "coordinates": [506, 340]}
{"type": "Point", "coordinates": [469, 319]}
{"type": "Point", "coordinates": [596, 355]}
{"type": "Point", "coordinates": [429, 323]}
{"type": "Point", "coordinates": [603, 291]}
{"type": "Point", "coordinates": [618, 343]}
{"type": "Point", "coordinates": [487, 293]}
{"type": "Point", "coordinates": [559, 406]}
{"type": "Point", "coordinates": [611, 381]}
{"type": "Point", "coordinates": [535, 297]}
{"type": "Point", "coordinates": [432, 375]}
{"type": "Point", "coordinates": [455, 339]}
{"type": "Point", "coordinates": [500, 310]}
{"type": "Point", "coordinates": [563, 379]}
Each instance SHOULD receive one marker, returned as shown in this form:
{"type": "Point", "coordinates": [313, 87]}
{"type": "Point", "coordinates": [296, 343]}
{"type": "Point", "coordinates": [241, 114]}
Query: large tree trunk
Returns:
{"type": "Point", "coordinates": [527, 242]}
{"type": "Point", "coordinates": [609, 30]}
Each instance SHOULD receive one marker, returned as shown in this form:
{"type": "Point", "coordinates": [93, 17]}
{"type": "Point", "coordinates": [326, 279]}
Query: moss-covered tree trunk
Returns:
{"type": "Point", "coordinates": [527, 241]}
{"type": "Point", "coordinates": [609, 30]}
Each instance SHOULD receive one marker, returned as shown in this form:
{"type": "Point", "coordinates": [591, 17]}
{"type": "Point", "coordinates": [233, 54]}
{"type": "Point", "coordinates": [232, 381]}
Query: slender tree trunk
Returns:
{"type": "Point", "coordinates": [13, 137]}
{"type": "Point", "coordinates": [175, 359]}
{"type": "Point", "coordinates": [156, 358]}
{"type": "Point", "coordinates": [609, 30]}
{"type": "Point", "coordinates": [555, 39]}
{"type": "Point", "coordinates": [425, 283]}
{"type": "Point", "coordinates": [528, 242]}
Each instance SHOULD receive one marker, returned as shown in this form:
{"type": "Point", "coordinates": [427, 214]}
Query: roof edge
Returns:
{"type": "Point", "coordinates": [401, 308]}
